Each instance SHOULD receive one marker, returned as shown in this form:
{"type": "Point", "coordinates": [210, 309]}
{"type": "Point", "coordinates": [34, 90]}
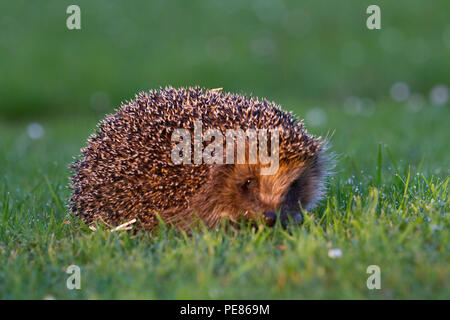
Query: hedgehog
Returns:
{"type": "Point", "coordinates": [128, 171]}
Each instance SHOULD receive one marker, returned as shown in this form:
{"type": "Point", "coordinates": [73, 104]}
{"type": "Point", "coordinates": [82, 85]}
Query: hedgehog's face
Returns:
{"type": "Point", "coordinates": [255, 196]}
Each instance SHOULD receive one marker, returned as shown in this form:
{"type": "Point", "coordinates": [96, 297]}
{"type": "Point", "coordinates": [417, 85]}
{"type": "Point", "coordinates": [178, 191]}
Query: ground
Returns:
{"type": "Point", "coordinates": [387, 205]}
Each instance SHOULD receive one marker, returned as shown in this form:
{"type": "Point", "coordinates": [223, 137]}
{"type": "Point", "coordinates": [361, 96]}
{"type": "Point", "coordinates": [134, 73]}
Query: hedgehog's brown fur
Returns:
{"type": "Point", "coordinates": [126, 171]}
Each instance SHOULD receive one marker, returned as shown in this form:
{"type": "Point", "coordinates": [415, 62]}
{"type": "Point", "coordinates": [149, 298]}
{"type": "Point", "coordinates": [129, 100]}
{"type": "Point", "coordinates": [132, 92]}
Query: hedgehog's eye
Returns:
{"type": "Point", "coordinates": [248, 183]}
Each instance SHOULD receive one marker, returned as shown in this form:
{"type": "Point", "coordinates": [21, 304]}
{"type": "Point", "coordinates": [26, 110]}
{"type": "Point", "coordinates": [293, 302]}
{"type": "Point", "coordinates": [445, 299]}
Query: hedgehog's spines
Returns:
{"type": "Point", "coordinates": [122, 168]}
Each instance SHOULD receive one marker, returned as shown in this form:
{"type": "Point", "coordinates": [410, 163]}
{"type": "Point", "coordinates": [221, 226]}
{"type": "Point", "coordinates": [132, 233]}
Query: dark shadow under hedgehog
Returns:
{"type": "Point", "coordinates": [126, 172]}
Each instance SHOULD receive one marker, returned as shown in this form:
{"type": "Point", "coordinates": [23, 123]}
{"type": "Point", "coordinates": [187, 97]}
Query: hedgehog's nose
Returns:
{"type": "Point", "coordinates": [270, 217]}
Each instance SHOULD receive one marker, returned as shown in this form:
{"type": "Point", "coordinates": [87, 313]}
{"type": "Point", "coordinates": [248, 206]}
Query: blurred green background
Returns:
{"type": "Point", "coordinates": [288, 51]}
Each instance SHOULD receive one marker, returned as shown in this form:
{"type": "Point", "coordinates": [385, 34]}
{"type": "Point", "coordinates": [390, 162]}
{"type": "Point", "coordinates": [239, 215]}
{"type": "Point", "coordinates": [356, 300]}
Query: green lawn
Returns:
{"type": "Point", "coordinates": [387, 205]}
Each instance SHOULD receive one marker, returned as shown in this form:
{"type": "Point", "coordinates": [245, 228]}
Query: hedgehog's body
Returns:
{"type": "Point", "coordinates": [126, 170]}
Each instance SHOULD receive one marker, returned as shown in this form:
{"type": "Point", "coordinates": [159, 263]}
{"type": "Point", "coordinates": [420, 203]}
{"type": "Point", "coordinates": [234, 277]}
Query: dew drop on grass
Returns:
{"type": "Point", "coordinates": [335, 253]}
{"type": "Point", "coordinates": [400, 91]}
{"type": "Point", "coordinates": [316, 117]}
{"type": "Point", "coordinates": [439, 95]}
{"type": "Point", "coordinates": [35, 131]}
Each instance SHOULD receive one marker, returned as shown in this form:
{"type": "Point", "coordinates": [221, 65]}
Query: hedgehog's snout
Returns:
{"type": "Point", "coordinates": [270, 218]}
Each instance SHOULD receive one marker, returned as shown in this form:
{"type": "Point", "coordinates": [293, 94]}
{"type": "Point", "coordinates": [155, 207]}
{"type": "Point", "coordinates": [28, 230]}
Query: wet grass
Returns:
{"type": "Point", "coordinates": [387, 205]}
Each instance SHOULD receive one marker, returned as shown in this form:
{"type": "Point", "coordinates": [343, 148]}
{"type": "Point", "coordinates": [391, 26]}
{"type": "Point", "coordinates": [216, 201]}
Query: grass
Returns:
{"type": "Point", "coordinates": [387, 205]}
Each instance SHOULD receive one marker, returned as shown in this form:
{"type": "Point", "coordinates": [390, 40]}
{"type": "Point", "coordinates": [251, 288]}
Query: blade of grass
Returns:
{"type": "Point", "coordinates": [5, 211]}
{"type": "Point", "coordinates": [55, 196]}
{"type": "Point", "coordinates": [406, 188]}
{"type": "Point", "coordinates": [388, 151]}
{"type": "Point", "coordinates": [379, 166]}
